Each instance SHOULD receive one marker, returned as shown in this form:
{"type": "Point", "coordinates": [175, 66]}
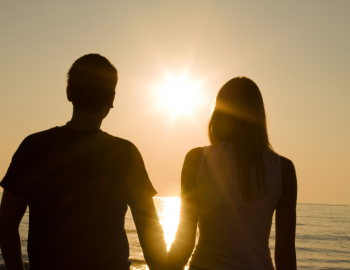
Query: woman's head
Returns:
{"type": "Point", "coordinates": [239, 117]}
{"type": "Point", "coordinates": [239, 114]}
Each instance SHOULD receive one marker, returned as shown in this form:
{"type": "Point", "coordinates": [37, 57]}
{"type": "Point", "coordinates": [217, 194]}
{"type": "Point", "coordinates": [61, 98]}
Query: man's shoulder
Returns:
{"type": "Point", "coordinates": [39, 134]}
{"type": "Point", "coordinates": [128, 145]}
{"type": "Point", "coordinates": [29, 142]}
{"type": "Point", "coordinates": [116, 139]}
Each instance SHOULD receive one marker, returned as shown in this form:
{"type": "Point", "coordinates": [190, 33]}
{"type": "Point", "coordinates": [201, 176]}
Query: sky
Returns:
{"type": "Point", "coordinates": [296, 51]}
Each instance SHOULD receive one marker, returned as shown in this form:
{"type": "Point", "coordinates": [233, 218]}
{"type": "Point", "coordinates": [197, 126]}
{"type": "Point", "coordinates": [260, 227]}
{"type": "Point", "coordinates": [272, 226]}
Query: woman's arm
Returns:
{"type": "Point", "coordinates": [285, 255]}
{"type": "Point", "coordinates": [183, 245]}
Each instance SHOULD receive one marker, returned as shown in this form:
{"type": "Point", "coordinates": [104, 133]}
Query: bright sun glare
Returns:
{"type": "Point", "coordinates": [179, 95]}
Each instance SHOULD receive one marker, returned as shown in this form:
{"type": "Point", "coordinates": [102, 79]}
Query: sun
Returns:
{"type": "Point", "coordinates": [179, 95]}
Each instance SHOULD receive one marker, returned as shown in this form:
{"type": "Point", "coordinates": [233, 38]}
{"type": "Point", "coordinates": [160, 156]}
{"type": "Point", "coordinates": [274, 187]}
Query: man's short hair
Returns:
{"type": "Point", "coordinates": [91, 81]}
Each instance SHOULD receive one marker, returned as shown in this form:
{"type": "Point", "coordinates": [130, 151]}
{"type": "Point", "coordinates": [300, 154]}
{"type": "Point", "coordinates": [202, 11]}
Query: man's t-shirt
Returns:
{"type": "Point", "coordinates": [77, 184]}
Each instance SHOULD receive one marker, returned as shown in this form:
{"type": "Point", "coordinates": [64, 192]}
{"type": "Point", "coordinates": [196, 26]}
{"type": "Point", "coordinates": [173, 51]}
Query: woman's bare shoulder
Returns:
{"type": "Point", "coordinates": [191, 166]}
{"type": "Point", "coordinates": [194, 154]}
{"type": "Point", "coordinates": [289, 179]}
{"type": "Point", "coordinates": [287, 169]}
{"type": "Point", "coordinates": [286, 163]}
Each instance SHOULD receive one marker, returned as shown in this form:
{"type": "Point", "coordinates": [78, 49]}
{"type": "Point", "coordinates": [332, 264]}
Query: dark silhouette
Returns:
{"type": "Point", "coordinates": [232, 188]}
{"type": "Point", "coordinates": [78, 182]}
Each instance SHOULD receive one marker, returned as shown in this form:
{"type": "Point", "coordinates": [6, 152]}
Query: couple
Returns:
{"type": "Point", "coordinates": [78, 182]}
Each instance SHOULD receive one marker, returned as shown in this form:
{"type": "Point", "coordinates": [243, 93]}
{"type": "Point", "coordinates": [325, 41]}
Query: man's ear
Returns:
{"type": "Point", "coordinates": [112, 100]}
{"type": "Point", "coordinates": [69, 96]}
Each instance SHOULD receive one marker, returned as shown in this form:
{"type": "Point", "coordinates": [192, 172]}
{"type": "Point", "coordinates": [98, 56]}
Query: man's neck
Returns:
{"type": "Point", "coordinates": [85, 120]}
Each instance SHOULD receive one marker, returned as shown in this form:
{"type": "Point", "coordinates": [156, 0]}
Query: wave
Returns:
{"type": "Point", "coordinates": [130, 231]}
{"type": "Point", "coordinates": [137, 261]}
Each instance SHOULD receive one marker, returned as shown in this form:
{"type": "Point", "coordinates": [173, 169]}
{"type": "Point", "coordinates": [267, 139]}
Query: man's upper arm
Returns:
{"type": "Point", "coordinates": [138, 185]}
{"type": "Point", "coordinates": [12, 209]}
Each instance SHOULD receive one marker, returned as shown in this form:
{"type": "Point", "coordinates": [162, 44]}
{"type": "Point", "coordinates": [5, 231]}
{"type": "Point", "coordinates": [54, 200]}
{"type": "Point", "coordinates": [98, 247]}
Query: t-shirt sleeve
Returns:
{"type": "Point", "coordinates": [138, 184]}
{"type": "Point", "coordinates": [13, 180]}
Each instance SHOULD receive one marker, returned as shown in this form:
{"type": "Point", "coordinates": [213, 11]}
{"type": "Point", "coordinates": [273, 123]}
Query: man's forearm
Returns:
{"type": "Point", "coordinates": [150, 233]}
{"type": "Point", "coordinates": [153, 245]}
{"type": "Point", "coordinates": [10, 243]}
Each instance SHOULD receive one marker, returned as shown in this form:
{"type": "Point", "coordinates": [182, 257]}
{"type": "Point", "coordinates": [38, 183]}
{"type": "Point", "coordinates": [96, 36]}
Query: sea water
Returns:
{"type": "Point", "coordinates": [322, 236]}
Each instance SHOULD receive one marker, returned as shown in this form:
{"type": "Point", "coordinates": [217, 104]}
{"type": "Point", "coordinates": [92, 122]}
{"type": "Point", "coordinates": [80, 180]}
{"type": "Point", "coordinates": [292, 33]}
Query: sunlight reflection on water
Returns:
{"type": "Point", "coordinates": [169, 212]}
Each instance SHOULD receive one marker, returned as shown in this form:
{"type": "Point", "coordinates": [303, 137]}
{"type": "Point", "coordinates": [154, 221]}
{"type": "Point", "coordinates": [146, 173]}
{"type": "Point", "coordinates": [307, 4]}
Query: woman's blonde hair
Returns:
{"type": "Point", "coordinates": [239, 117]}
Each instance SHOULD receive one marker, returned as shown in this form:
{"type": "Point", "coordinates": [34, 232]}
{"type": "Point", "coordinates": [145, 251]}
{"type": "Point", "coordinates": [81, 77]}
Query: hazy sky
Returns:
{"type": "Point", "coordinates": [298, 53]}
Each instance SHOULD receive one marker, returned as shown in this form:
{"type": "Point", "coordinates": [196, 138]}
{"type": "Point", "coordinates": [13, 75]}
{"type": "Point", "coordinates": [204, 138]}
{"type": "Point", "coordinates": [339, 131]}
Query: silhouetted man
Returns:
{"type": "Point", "coordinates": [77, 181]}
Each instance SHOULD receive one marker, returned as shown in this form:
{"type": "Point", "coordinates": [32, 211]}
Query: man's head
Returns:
{"type": "Point", "coordinates": [91, 83]}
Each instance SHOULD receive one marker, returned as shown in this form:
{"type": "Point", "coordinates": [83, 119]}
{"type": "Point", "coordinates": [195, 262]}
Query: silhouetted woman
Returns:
{"type": "Point", "coordinates": [232, 188]}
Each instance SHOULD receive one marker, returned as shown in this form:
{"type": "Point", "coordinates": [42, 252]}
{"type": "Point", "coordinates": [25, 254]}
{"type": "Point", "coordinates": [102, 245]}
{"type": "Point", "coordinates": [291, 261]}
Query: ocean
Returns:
{"type": "Point", "coordinates": [322, 238]}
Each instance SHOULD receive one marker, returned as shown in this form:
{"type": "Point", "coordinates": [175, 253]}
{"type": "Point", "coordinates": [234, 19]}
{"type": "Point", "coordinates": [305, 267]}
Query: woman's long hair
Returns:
{"type": "Point", "coordinates": [239, 117]}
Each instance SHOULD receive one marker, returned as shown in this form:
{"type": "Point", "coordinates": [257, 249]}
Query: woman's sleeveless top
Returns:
{"type": "Point", "coordinates": [234, 234]}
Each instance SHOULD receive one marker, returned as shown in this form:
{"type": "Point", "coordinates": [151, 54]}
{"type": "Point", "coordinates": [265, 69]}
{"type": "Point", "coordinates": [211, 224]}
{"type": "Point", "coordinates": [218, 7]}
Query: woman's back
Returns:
{"type": "Point", "coordinates": [232, 189]}
{"type": "Point", "coordinates": [234, 234]}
